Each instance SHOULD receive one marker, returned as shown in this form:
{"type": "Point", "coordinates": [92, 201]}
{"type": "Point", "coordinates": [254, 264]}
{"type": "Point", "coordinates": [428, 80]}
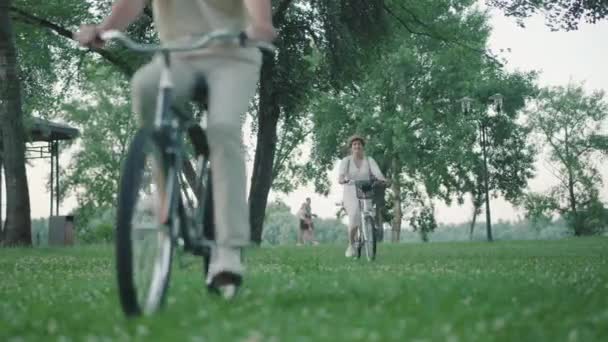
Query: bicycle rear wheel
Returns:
{"type": "Point", "coordinates": [143, 236]}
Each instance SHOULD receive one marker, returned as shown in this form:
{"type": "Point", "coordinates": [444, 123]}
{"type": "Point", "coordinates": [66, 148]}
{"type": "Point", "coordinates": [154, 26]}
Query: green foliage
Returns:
{"type": "Point", "coordinates": [539, 208]}
{"type": "Point", "coordinates": [280, 226]}
{"type": "Point", "coordinates": [407, 104]}
{"type": "Point", "coordinates": [62, 81]}
{"type": "Point", "coordinates": [559, 14]}
{"type": "Point", "coordinates": [320, 48]}
{"type": "Point", "coordinates": [48, 61]}
{"type": "Point", "coordinates": [103, 115]}
{"type": "Point", "coordinates": [501, 231]}
{"type": "Point", "coordinates": [569, 121]}
{"type": "Point", "coordinates": [95, 225]}
{"type": "Point", "coordinates": [51, 62]}
{"type": "Point", "coordinates": [589, 219]}
{"type": "Point", "coordinates": [424, 222]}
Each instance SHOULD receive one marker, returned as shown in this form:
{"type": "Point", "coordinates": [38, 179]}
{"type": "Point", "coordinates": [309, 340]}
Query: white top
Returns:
{"type": "Point", "coordinates": [179, 20]}
{"type": "Point", "coordinates": [176, 19]}
{"type": "Point", "coordinates": [350, 171]}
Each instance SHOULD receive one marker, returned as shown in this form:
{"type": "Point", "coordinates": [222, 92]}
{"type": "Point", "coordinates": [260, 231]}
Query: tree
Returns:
{"type": "Point", "coordinates": [280, 225]}
{"type": "Point", "coordinates": [17, 230]}
{"type": "Point", "coordinates": [569, 121]}
{"type": "Point", "coordinates": [510, 156]}
{"type": "Point", "coordinates": [538, 209]}
{"type": "Point", "coordinates": [408, 105]}
{"type": "Point", "coordinates": [560, 14]}
{"type": "Point", "coordinates": [48, 62]}
{"type": "Point", "coordinates": [103, 115]}
{"type": "Point", "coordinates": [407, 86]}
{"type": "Point", "coordinates": [335, 30]}
{"type": "Point", "coordinates": [424, 222]}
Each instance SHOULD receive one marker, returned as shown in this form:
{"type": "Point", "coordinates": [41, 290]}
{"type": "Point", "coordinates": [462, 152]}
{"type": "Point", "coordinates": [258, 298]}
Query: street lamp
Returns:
{"type": "Point", "coordinates": [466, 103]}
{"type": "Point", "coordinates": [497, 101]}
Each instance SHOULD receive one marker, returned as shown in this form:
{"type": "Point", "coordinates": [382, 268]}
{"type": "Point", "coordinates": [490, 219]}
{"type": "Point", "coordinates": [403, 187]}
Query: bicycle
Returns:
{"type": "Point", "coordinates": [164, 202]}
{"type": "Point", "coordinates": [367, 232]}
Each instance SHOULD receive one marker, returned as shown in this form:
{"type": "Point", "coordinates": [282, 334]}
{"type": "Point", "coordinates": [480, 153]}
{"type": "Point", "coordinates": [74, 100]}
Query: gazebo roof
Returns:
{"type": "Point", "coordinates": [44, 130]}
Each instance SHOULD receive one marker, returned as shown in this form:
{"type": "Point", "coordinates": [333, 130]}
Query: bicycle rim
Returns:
{"type": "Point", "coordinates": [144, 246]}
{"type": "Point", "coordinates": [370, 239]}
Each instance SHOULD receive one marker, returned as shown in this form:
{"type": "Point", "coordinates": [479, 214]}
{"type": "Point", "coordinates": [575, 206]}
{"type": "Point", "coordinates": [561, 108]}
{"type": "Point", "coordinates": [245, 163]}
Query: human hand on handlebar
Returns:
{"type": "Point", "coordinates": [265, 33]}
{"type": "Point", "coordinates": [88, 36]}
{"type": "Point", "coordinates": [383, 182]}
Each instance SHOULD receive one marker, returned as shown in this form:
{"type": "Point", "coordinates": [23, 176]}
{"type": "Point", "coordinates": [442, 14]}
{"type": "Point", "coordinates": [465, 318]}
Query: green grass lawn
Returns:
{"type": "Point", "coordinates": [504, 291]}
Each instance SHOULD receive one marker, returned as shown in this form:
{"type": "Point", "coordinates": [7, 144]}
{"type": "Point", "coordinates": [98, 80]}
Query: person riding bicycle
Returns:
{"type": "Point", "coordinates": [231, 74]}
{"type": "Point", "coordinates": [354, 167]}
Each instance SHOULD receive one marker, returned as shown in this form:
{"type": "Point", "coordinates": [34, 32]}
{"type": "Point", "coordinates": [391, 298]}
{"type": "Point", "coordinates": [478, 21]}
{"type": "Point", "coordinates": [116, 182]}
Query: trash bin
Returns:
{"type": "Point", "coordinates": [61, 230]}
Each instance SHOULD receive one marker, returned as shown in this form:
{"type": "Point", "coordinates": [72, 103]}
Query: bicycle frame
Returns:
{"type": "Point", "coordinates": [366, 208]}
{"type": "Point", "coordinates": [166, 125]}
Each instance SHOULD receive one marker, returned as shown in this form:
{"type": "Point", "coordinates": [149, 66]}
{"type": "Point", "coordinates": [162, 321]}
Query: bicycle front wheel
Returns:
{"type": "Point", "coordinates": [143, 237]}
{"type": "Point", "coordinates": [369, 238]}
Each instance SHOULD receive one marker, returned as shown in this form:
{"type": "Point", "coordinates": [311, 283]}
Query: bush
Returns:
{"type": "Point", "coordinates": [99, 228]}
{"type": "Point", "coordinates": [424, 222]}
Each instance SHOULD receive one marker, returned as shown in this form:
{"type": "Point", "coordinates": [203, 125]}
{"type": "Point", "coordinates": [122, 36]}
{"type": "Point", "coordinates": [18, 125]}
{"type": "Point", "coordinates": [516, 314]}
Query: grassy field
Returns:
{"type": "Point", "coordinates": [504, 291]}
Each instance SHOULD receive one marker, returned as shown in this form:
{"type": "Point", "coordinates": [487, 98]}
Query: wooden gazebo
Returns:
{"type": "Point", "coordinates": [42, 143]}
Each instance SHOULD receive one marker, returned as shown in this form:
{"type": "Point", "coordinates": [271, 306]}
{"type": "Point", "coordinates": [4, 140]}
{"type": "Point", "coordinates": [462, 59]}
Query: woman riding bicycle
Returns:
{"type": "Point", "coordinates": [356, 166]}
{"type": "Point", "coordinates": [231, 74]}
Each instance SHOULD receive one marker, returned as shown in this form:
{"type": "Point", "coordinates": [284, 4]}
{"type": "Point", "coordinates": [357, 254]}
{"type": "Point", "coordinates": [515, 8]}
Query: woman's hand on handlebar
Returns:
{"type": "Point", "coordinates": [265, 33]}
{"type": "Point", "coordinates": [88, 36]}
{"type": "Point", "coordinates": [383, 182]}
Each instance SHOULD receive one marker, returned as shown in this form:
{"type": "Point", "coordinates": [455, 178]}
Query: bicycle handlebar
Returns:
{"type": "Point", "coordinates": [239, 39]}
{"type": "Point", "coordinates": [375, 182]}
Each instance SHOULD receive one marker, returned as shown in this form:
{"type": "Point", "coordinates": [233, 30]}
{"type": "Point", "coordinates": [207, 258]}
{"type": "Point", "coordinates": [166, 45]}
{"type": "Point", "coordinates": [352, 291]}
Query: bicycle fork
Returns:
{"type": "Point", "coordinates": [366, 211]}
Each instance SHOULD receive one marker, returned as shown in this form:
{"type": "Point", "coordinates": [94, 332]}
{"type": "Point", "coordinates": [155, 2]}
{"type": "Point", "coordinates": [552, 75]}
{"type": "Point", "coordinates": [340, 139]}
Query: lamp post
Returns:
{"type": "Point", "coordinates": [466, 103]}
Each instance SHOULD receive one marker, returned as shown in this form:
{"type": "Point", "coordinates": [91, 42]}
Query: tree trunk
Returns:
{"type": "Point", "coordinates": [1, 195]}
{"type": "Point", "coordinates": [473, 221]}
{"type": "Point", "coordinates": [397, 214]}
{"type": "Point", "coordinates": [18, 220]}
{"type": "Point", "coordinates": [262, 175]}
{"type": "Point", "coordinates": [477, 200]}
{"type": "Point", "coordinates": [576, 220]}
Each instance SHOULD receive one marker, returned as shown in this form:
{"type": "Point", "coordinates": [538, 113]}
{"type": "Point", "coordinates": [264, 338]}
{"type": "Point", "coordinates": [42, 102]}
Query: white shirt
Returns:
{"type": "Point", "coordinates": [176, 19]}
{"type": "Point", "coordinates": [349, 170]}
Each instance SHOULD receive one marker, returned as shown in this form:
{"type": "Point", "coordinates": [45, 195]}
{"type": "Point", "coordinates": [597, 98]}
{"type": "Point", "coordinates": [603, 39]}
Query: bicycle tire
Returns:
{"type": "Point", "coordinates": [359, 243]}
{"type": "Point", "coordinates": [137, 297]}
{"type": "Point", "coordinates": [370, 241]}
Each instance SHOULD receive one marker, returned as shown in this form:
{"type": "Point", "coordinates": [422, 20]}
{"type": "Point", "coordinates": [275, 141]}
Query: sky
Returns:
{"type": "Point", "coordinates": [561, 57]}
